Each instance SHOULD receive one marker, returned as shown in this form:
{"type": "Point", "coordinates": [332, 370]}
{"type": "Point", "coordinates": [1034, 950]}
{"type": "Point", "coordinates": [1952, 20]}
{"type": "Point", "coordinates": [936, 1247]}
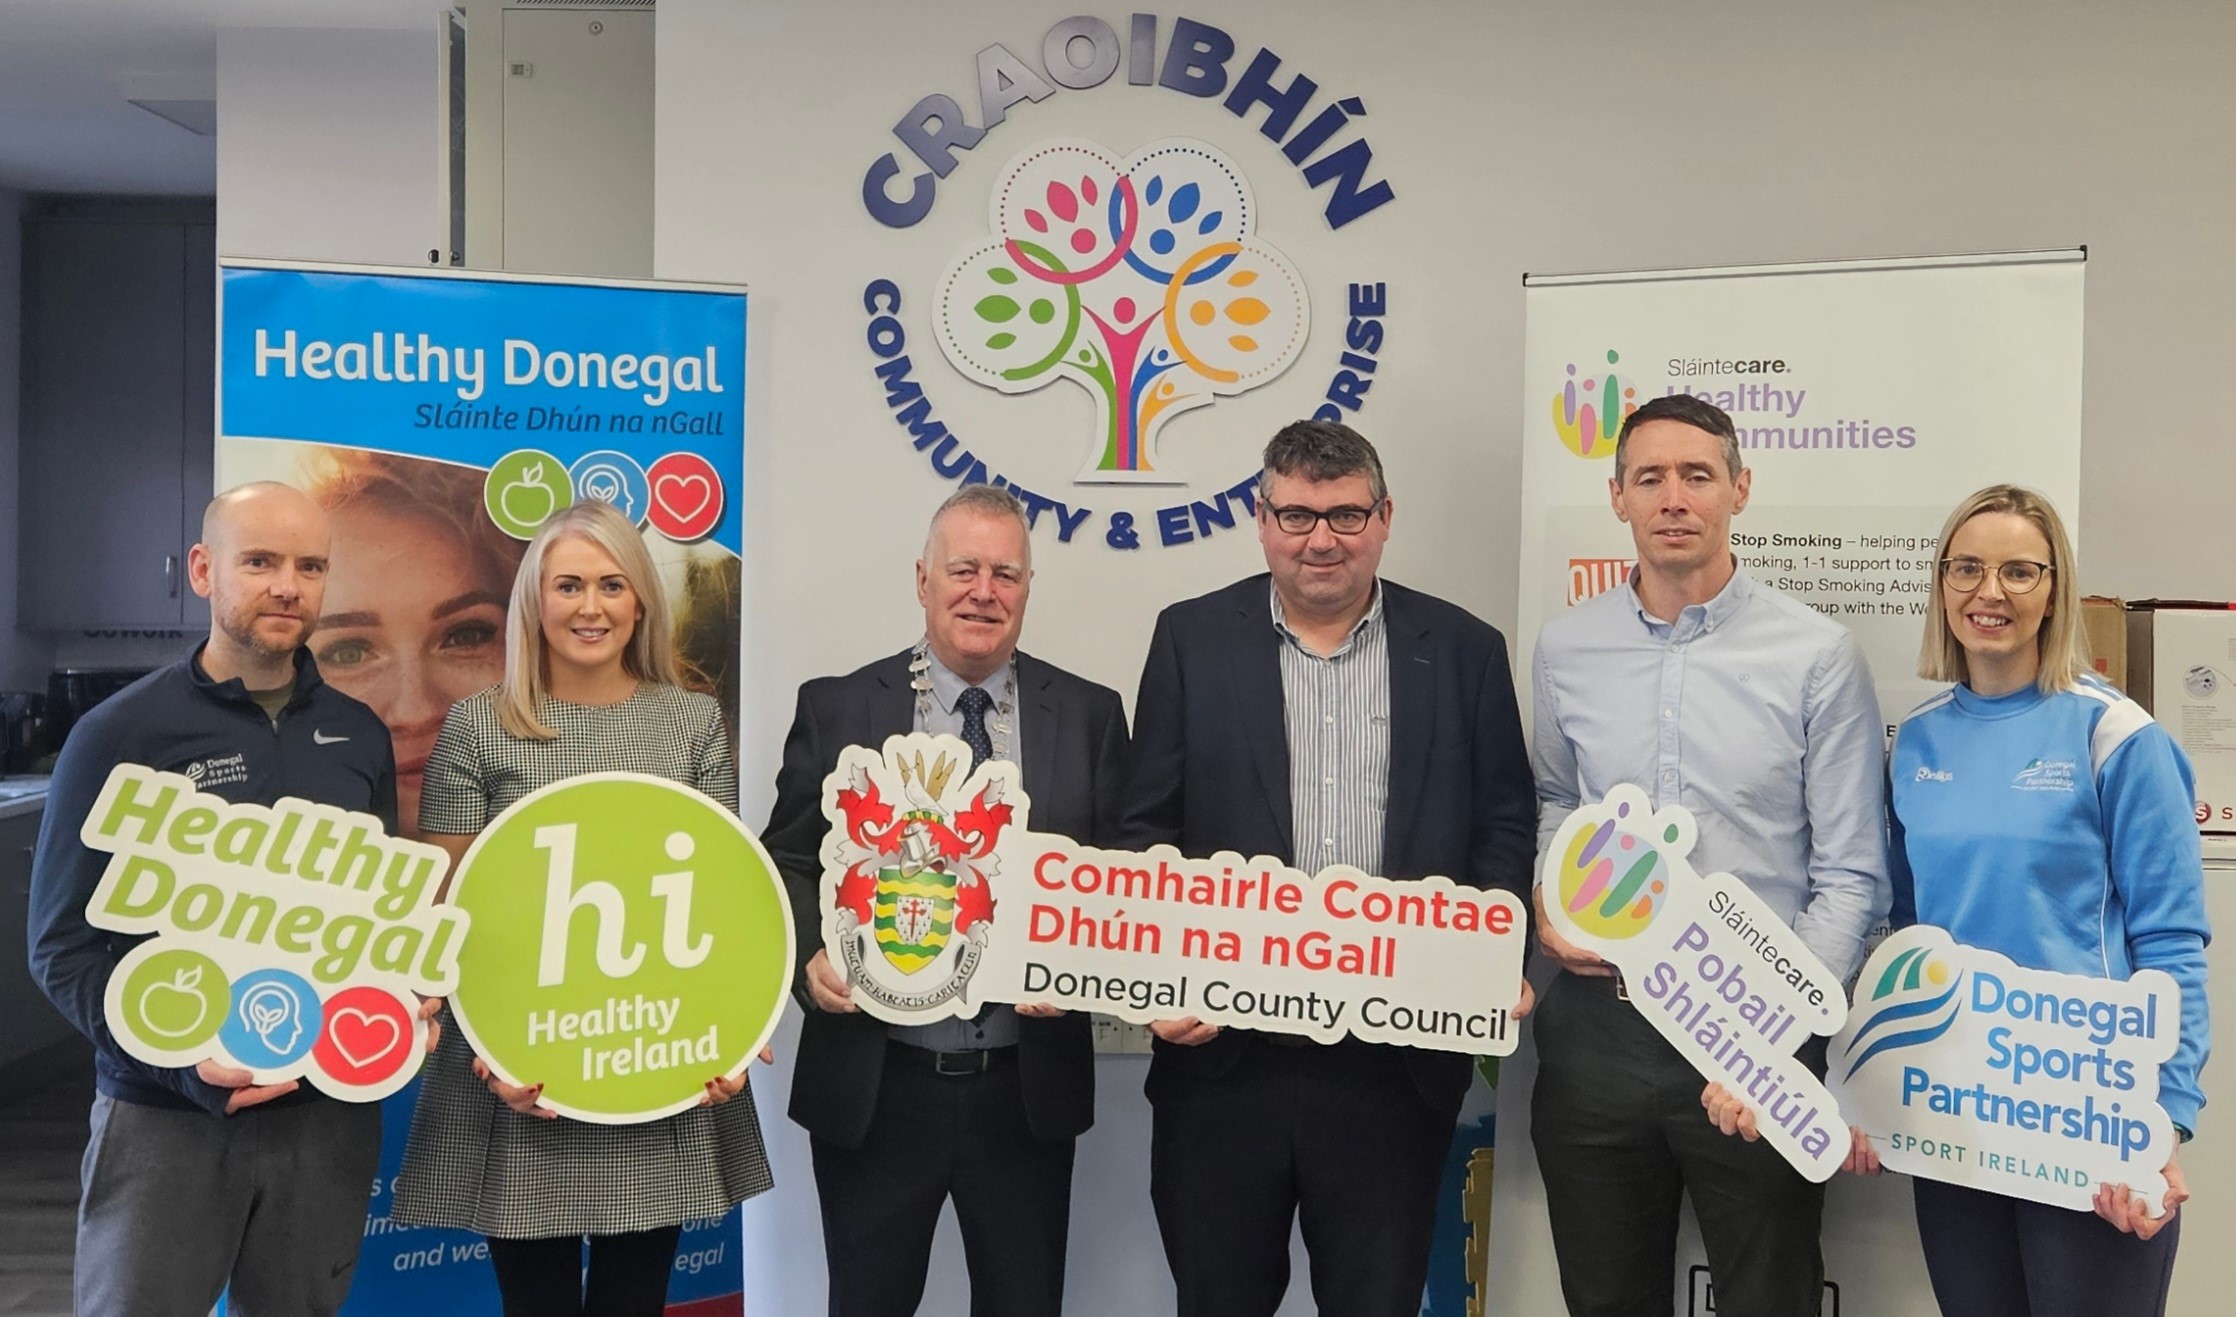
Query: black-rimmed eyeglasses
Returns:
{"type": "Point", "coordinates": [1301, 520]}
{"type": "Point", "coordinates": [2019, 575]}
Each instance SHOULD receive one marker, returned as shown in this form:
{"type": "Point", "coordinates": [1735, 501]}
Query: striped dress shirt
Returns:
{"type": "Point", "coordinates": [1338, 713]}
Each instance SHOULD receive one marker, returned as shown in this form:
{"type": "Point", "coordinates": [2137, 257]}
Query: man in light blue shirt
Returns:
{"type": "Point", "coordinates": [1757, 714]}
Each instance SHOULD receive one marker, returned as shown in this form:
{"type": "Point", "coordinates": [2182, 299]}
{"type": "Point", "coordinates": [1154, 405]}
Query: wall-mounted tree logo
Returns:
{"type": "Point", "coordinates": [1136, 278]}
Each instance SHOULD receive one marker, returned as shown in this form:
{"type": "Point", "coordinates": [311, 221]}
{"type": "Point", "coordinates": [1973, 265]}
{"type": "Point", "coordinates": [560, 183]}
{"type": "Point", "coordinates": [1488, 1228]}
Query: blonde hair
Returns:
{"type": "Point", "coordinates": [2062, 648]}
{"type": "Point", "coordinates": [651, 653]}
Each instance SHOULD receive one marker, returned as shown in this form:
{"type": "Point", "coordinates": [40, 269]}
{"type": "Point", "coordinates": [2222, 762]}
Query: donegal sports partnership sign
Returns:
{"type": "Point", "coordinates": [630, 942]}
{"type": "Point", "coordinates": [1708, 963]}
{"type": "Point", "coordinates": [287, 939]}
{"type": "Point", "coordinates": [1145, 273]}
{"type": "Point", "coordinates": [1964, 1067]}
{"type": "Point", "coordinates": [937, 898]}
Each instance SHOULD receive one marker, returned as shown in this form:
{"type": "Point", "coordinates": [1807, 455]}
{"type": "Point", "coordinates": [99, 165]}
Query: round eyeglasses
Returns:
{"type": "Point", "coordinates": [2019, 576]}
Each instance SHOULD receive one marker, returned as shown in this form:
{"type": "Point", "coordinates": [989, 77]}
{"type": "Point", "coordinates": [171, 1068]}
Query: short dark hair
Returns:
{"type": "Point", "coordinates": [1321, 450]}
{"type": "Point", "coordinates": [1699, 413]}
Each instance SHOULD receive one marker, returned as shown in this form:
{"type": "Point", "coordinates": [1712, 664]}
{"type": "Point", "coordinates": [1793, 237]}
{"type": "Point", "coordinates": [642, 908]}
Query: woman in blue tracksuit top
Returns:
{"type": "Point", "coordinates": [2040, 813]}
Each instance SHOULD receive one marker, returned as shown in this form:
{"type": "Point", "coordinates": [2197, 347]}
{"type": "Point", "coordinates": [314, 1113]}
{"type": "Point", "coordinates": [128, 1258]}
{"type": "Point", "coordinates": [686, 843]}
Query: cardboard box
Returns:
{"type": "Point", "coordinates": [2182, 661]}
{"type": "Point", "coordinates": [2104, 623]}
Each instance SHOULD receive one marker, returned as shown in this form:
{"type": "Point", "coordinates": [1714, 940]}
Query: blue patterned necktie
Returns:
{"type": "Point", "coordinates": [974, 703]}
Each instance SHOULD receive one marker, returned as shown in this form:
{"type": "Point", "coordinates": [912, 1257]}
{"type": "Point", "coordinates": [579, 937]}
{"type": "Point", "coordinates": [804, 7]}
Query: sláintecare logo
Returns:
{"type": "Point", "coordinates": [1589, 409]}
{"type": "Point", "coordinates": [1142, 271]}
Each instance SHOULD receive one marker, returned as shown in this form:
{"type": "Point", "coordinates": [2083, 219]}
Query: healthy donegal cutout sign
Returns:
{"type": "Point", "coordinates": [287, 939]}
{"type": "Point", "coordinates": [630, 941]}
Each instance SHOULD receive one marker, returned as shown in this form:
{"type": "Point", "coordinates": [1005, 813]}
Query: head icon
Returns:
{"type": "Point", "coordinates": [273, 1020]}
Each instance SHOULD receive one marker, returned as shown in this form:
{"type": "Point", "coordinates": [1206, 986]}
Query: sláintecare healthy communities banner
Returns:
{"type": "Point", "coordinates": [440, 418]}
{"type": "Point", "coordinates": [1870, 397]}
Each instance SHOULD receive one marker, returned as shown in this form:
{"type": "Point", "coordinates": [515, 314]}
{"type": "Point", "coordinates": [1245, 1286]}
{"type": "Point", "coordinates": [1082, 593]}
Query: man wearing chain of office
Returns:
{"type": "Point", "coordinates": [984, 1109]}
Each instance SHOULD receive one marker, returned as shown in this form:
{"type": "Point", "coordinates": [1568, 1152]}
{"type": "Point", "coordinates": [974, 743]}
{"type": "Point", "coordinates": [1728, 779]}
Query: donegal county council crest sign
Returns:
{"type": "Point", "coordinates": [1138, 266]}
{"type": "Point", "coordinates": [908, 876]}
{"type": "Point", "coordinates": [937, 898]}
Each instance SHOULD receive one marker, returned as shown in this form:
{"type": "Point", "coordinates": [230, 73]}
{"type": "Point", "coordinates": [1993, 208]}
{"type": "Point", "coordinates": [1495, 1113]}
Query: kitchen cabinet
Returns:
{"type": "Point", "coordinates": [28, 1021]}
{"type": "Point", "coordinates": [119, 342]}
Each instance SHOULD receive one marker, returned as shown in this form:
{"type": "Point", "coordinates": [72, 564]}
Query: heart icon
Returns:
{"type": "Point", "coordinates": [686, 497]}
{"type": "Point", "coordinates": [673, 491]}
{"type": "Point", "coordinates": [361, 1037]}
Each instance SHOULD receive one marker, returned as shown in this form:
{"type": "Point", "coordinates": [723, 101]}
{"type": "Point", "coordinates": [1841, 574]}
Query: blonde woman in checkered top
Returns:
{"type": "Point", "coordinates": [591, 683]}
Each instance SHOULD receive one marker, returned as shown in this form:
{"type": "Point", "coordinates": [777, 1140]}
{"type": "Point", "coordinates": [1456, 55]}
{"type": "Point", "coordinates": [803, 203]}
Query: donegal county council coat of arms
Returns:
{"type": "Point", "coordinates": [907, 900]}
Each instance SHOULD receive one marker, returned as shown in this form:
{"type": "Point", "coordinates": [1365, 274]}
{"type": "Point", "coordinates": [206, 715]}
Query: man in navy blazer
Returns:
{"type": "Point", "coordinates": [985, 1110]}
{"type": "Point", "coordinates": [1320, 715]}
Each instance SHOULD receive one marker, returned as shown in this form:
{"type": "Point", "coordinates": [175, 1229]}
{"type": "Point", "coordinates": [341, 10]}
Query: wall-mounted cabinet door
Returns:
{"type": "Point", "coordinates": [107, 386]}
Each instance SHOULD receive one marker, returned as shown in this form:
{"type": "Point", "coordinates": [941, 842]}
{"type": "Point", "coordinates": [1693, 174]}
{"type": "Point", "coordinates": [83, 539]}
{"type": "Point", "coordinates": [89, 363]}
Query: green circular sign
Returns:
{"type": "Point", "coordinates": [175, 1000]}
{"type": "Point", "coordinates": [523, 489]}
{"type": "Point", "coordinates": [630, 941]}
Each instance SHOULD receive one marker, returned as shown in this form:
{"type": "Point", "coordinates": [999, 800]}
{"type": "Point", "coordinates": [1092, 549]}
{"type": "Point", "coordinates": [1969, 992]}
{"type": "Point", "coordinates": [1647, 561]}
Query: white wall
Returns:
{"type": "Point", "coordinates": [1527, 135]}
{"type": "Point", "coordinates": [326, 144]}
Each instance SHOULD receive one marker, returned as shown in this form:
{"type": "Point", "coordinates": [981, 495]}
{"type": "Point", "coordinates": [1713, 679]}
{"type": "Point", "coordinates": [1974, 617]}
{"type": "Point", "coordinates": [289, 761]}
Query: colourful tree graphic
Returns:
{"type": "Point", "coordinates": [1137, 279]}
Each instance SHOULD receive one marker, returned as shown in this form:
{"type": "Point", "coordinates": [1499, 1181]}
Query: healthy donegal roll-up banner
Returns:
{"type": "Point", "coordinates": [1870, 397]}
{"type": "Point", "coordinates": [439, 417]}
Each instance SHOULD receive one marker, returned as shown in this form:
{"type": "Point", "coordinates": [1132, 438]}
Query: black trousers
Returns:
{"type": "Point", "coordinates": [1335, 1138]}
{"type": "Point", "coordinates": [934, 1137]}
{"type": "Point", "coordinates": [1621, 1137]}
{"type": "Point", "coordinates": [1991, 1256]}
{"type": "Point", "coordinates": [627, 1275]}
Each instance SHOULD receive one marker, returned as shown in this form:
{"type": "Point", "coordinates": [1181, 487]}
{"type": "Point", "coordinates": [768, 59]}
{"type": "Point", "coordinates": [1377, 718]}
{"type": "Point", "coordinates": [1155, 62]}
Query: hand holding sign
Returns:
{"type": "Point", "coordinates": [1708, 963]}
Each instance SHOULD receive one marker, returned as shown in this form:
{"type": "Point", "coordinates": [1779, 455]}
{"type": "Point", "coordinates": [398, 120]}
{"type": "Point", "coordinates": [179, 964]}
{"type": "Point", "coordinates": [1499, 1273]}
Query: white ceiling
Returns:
{"type": "Point", "coordinates": [69, 70]}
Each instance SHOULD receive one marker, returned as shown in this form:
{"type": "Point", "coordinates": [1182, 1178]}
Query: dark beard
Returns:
{"type": "Point", "coordinates": [247, 638]}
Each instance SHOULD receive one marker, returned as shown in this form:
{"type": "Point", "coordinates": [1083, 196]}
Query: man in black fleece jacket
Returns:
{"type": "Point", "coordinates": [194, 1177]}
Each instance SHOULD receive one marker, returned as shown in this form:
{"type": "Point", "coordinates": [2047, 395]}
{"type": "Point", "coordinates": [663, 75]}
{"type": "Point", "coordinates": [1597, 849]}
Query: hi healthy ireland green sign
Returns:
{"type": "Point", "coordinates": [630, 940]}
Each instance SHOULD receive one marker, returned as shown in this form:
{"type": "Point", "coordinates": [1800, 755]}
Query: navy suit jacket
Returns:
{"type": "Point", "coordinates": [1074, 754]}
{"type": "Point", "coordinates": [1211, 765]}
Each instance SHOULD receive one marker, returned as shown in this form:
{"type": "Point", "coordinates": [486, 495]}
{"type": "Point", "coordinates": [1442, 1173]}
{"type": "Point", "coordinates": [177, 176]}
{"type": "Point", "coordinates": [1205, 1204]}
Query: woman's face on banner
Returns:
{"type": "Point", "coordinates": [410, 630]}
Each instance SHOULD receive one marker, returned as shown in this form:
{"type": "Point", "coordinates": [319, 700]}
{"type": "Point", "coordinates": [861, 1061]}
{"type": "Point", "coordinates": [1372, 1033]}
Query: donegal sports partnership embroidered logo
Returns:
{"type": "Point", "coordinates": [1924, 989]}
{"type": "Point", "coordinates": [2045, 775]}
{"type": "Point", "coordinates": [912, 871]}
{"type": "Point", "coordinates": [1138, 279]}
{"type": "Point", "coordinates": [1590, 407]}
